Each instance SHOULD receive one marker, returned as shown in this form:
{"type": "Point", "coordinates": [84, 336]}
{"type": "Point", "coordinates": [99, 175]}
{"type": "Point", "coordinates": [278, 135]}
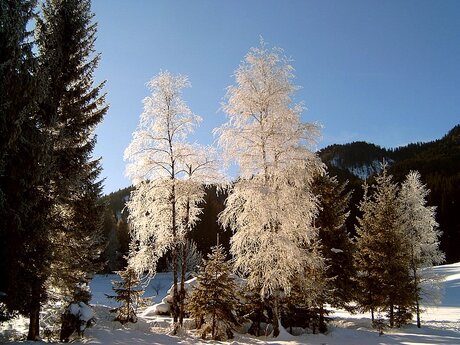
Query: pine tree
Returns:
{"type": "Point", "coordinates": [213, 300]}
{"type": "Point", "coordinates": [66, 35]}
{"type": "Point", "coordinates": [270, 207]}
{"type": "Point", "coordinates": [336, 244]}
{"type": "Point", "coordinates": [381, 256]}
{"type": "Point", "coordinates": [128, 295]}
{"type": "Point", "coordinates": [420, 229]}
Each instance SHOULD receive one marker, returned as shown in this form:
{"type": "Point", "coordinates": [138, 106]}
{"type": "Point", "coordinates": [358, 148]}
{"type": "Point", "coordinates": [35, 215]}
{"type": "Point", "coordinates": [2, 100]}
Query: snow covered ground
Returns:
{"type": "Point", "coordinates": [440, 324]}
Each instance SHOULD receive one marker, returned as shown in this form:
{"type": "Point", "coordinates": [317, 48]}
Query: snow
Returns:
{"type": "Point", "coordinates": [335, 250]}
{"type": "Point", "coordinates": [440, 324]}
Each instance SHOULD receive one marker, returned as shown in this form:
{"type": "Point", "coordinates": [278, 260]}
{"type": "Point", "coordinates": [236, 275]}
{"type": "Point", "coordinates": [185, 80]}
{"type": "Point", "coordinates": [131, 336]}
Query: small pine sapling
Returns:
{"type": "Point", "coordinates": [128, 295]}
{"type": "Point", "coordinates": [213, 299]}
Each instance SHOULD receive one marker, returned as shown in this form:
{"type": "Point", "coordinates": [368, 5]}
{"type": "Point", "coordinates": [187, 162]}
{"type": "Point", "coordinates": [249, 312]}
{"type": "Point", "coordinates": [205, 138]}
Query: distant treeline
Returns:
{"type": "Point", "coordinates": [438, 163]}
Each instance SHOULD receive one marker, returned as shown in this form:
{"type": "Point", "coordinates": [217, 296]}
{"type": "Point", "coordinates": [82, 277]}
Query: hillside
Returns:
{"type": "Point", "coordinates": [438, 163]}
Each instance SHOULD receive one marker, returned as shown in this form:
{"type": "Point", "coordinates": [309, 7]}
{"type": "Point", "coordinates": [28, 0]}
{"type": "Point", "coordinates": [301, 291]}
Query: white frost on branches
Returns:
{"type": "Point", "coordinates": [271, 208]}
{"type": "Point", "coordinates": [418, 222]}
{"type": "Point", "coordinates": [168, 173]}
{"type": "Point", "coordinates": [160, 139]}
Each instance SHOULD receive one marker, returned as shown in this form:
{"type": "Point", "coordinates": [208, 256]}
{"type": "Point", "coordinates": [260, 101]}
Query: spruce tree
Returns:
{"type": "Point", "coordinates": [382, 257]}
{"type": "Point", "coordinates": [336, 244]}
{"type": "Point", "coordinates": [128, 295]}
{"type": "Point", "coordinates": [305, 305]}
{"type": "Point", "coordinates": [24, 167]}
{"type": "Point", "coordinates": [17, 97]}
{"type": "Point", "coordinates": [66, 35]}
{"type": "Point", "coordinates": [18, 87]}
{"type": "Point", "coordinates": [213, 301]}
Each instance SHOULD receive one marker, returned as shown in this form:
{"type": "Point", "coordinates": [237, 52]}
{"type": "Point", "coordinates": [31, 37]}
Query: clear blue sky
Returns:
{"type": "Point", "coordinates": [386, 72]}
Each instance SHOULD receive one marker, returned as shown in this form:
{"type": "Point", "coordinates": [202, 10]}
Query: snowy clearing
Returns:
{"type": "Point", "coordinates": [440, 324]}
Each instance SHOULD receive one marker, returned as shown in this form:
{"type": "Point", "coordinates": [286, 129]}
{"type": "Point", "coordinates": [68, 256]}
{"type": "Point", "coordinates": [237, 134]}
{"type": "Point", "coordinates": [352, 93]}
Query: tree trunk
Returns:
{"type": "Point", "coordinates": [34, 316]}
{"type": "Point", "coordinates": [416, 295]}
{"type": "Point", "coordinates": [182, 283]}
{"type": "Point", "coordinates": [322, 328]}
{"type": "Point", "coordinates": [372, 314]}
{"type": "Point", "coordinates": [276, 317]}
{"type": "Point", "coordinates": [417, 307]}
{"type": "Point", "coordinates": [213, 329]}
{"type": "Point", "coordinates": [175, 302]}
{"type": "Point", "coordinates": [392, 316]}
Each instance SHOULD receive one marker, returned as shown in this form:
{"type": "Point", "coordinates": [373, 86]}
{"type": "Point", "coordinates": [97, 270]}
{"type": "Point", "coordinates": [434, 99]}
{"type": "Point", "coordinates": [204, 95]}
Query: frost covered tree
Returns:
{"type": "Point", "coordinates": [192, 260]}
{"type": "Point", "coordinates": [212, 301]}
{"type": "Point", "coordinates": [421, 232]}
{"type": "Point", "coordinates": [168, 174]}
{"type": "Point", "coordinates": [381, 253]}
{"type": "Point", "coordinates": [270, 207]}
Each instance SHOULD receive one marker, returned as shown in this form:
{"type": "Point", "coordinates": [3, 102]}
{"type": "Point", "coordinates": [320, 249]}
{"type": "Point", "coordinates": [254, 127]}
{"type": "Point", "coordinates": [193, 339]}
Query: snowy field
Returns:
{"type": "Point", "coordinates": [440, 324]}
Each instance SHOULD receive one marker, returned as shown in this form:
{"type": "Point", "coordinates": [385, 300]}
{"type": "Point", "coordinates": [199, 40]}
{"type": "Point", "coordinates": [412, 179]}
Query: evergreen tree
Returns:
{"type": "Point", "coordinates": [305, 305]}
{"type": "Point", "coordinates": [128, 295]}
{"type": "Point", "coordinates": [24, 168]}
{"type": "Point", "coordinates": [255, 309]}
{"type": "Point", "coordinates": [381, 256]}
{"type": "Point", "coordinates": [17, 97]}
{"type": "Point", "coordinates": [421, 232]}
{"type": "Point", "coordinates": [213, 301]}
{"type": "Point", "coordinates": [66, 35]}
{"type": "Point", "coordinates": [336, 244]}
{"type": "Point", "coordinates": [18, 89]}
{"type": "Point", "coordinates": [111, 252]}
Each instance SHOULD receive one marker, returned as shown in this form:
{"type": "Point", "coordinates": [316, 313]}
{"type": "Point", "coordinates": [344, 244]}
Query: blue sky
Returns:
{"type": "Point", "coordinates": [386, 72]}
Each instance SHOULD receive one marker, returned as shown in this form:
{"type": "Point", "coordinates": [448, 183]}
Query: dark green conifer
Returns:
{"type": "Point", "coordinates": [336, 244]}
{"type": "Point", "coordinates": [213, 299]}
{"type": "Point", "coordinates": [24, 167]}
{"type": "Point", "coordinates": [382, 257]}
{"type": "Point", "coordinates": [66, 36]}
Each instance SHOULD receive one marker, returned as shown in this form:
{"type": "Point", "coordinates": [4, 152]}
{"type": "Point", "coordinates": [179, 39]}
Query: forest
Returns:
{"type": "Point", "coordinates": [294, 235]}
{"type": "Point", "coordinates": [441, 179]}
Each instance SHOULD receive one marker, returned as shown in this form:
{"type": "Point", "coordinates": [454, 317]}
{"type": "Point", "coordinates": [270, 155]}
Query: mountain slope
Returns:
{"type": "Point", "coordinates": [437, 161]}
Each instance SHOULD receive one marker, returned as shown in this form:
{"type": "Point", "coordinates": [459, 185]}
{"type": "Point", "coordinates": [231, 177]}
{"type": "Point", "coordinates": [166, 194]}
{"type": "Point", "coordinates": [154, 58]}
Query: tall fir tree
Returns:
{"type": "Point", "coordinates": [336, 244]}
{"type": "Point", "coordinates": [381, 255]}
{"type": "Point", "coordinates": [66, 34]}
{"type": "Point", "coordinates": [24, 167]}
{"type": "Point", "coordinates": [213, 300]}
